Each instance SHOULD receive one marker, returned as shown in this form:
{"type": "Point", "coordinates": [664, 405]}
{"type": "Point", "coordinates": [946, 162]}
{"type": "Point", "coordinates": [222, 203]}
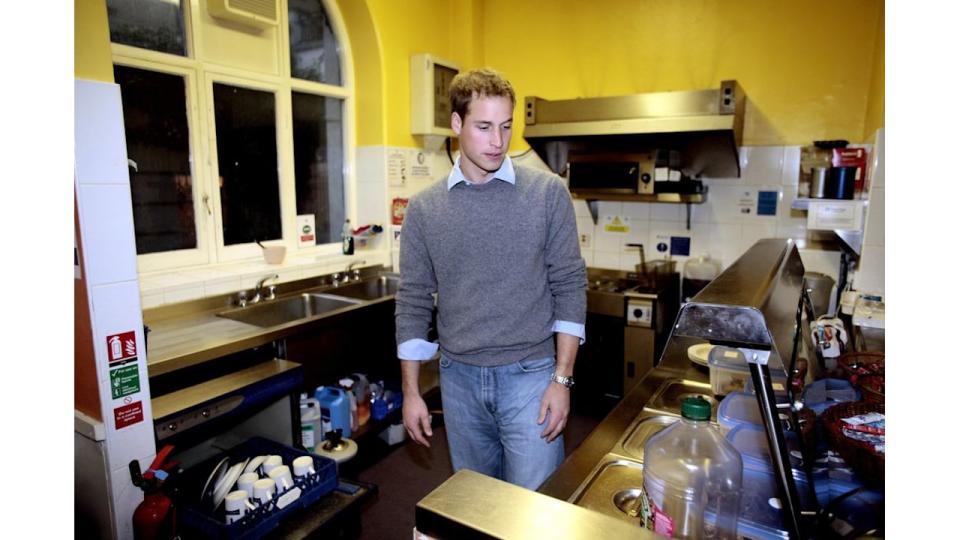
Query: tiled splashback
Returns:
{"type": "Point", "coordinates": [723, 227]}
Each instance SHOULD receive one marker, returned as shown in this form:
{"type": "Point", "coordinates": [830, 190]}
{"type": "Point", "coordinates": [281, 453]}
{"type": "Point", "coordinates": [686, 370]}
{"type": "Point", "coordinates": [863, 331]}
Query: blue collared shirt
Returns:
{"type": "Point", "coordinates": [421, 349]}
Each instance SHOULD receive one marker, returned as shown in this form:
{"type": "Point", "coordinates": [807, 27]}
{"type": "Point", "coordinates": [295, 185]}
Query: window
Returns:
{"type": "Point", "coordinates": [158, 150]}
{"type": "Point", "coordinates": [247, 163]}
{"type": "Point", "coordinates": [156, 25]}
{"type": "Point", "coordinates": [318, 163]}
{"type": "Point", "coordinates": [222, 156]}
{"type": "Point", "coordinates": [314, 54]}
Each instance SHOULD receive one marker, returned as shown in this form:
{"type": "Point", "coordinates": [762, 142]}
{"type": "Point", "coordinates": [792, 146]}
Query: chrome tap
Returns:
{"type": "Point", "coordinates": [257, 291]}
{"type": "Point", "coordinates": [352, 268]}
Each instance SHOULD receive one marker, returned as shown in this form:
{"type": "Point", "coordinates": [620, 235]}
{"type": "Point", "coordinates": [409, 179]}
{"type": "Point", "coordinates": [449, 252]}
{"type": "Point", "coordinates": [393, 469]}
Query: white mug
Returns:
{"type": "Point", "coordinates": [281, 476]}
{"type": "Point", "coordinates": [237, 503]}
{"type": "Point", "coordinates": [302, 466]}
{"type": "Point", "coordinates": [246, 480]}
{"type": "Point", "coordinates": [263, 490]}
{"type": "Point", "coordinates": [271, 463]}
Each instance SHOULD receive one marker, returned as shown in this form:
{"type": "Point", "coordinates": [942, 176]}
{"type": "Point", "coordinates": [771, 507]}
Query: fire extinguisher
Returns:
{"type": "Point", "coordinates": [155, 517]}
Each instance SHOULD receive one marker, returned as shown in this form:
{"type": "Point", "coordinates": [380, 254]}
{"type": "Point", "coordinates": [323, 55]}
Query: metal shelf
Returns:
{"type": "Point", "coordinates": [671, 198]}
{"type": "Point", "coordinates": [804, 204]}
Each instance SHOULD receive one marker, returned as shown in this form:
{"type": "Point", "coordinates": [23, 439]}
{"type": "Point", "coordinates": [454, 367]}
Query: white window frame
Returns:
{"type": "Point", "coordinates": [199, 76]}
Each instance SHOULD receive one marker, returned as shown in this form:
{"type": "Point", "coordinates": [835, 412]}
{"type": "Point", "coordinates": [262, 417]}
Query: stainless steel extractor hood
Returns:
{"type": "Point", "coordinates": [703, 128]}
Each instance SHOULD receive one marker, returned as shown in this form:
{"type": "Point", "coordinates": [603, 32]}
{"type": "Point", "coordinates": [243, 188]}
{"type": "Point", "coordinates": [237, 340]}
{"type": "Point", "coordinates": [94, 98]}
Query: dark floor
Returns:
{"type": "Point", "coordinates": [409, 472]}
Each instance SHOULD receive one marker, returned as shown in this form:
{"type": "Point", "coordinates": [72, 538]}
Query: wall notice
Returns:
{"type": "Point", "coordinates": [397, 167]}
{"type": "Point", "coordinates": [128, 415]}
{"type": "Point", "coordinates": [124, 381]}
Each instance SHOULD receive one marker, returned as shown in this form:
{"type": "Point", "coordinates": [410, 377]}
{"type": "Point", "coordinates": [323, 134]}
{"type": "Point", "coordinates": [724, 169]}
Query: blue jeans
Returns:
{"type": "Point", "coordinates": [490, 415]}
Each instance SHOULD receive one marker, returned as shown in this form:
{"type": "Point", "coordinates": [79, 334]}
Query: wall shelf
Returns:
{"type": "Point", "coordinates": [593, 199]}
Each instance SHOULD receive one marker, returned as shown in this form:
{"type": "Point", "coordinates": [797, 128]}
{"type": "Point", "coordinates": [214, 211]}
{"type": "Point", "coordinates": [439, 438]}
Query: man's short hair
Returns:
{"type": "Point", "coordinates": [478, 83]}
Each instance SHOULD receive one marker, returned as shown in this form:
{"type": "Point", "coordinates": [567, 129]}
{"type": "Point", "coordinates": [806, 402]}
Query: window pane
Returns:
{"type": "Point", "coordinates": [314, 51]}
{"type": "Point", "coordinates": [318, 162]}
{"type": "Point", "coordinates": [158, 143]}
{"type": "Point", "coordinates": [247, 160]}
{"type": "Point", "coordinates": [149, 24]}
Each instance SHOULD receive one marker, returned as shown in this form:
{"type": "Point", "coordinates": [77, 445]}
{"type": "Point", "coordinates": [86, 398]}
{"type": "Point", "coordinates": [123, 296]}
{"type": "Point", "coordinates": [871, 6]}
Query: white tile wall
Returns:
{"type": "Point", "coordinates": [109, 260]}
{"type": "Point", "coordinates": [98, 125]}
{"type": "Point", "coordinates": [718, 228]}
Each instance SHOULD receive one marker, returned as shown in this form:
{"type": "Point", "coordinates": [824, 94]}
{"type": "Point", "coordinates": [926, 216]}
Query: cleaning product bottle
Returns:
{"type": "Point", "coordinates": [346, 384]}
{"type": "Point", "coordinates": [347, 237]}
{"type": "Point", "coordinates": [361, 389]}
{"type": "Point", "coordinates": [311, 423]}
{"type": "Point", "coordinates": [335, 404]}
{"type": "Point", "coordinates": [690, 472]}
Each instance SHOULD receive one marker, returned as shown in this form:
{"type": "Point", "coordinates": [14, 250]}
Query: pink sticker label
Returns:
{"type": "Point", "coordinates": [662, 524]}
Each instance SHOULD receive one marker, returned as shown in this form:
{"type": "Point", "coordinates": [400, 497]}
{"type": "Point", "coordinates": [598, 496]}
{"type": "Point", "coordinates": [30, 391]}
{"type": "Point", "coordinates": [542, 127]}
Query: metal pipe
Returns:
{"type": "Point", "coordinates": [779, 455]}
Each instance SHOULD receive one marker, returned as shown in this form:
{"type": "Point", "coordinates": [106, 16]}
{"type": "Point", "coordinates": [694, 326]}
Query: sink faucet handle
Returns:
{"type": "Point", "coordinates": [242, 298]}
{"type": "Point", "coordinates": [271, 293]}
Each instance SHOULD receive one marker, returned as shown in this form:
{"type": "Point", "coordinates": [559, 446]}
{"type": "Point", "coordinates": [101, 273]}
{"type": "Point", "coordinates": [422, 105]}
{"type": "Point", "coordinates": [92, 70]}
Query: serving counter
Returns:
{"type": "Point", "coordinates": [753, 306]}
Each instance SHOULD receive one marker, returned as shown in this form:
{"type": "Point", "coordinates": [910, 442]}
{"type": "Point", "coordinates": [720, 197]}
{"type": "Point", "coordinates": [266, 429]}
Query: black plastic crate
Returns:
{"type": "Point", "coordinates": [198, 520]}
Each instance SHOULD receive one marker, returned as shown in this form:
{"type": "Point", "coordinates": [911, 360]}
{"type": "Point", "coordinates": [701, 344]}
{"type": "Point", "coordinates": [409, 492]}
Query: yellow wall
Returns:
{"type": "Point", "coordinates": [445, 28]}
{"type": "Point", "coordinates": [91, 41]}
{"type": "Point", "coordinates": [875, 106]}
{"type": "Point", "coordinates": [812, 69]}
{"type": "Point", "coordinates": [804, 65]}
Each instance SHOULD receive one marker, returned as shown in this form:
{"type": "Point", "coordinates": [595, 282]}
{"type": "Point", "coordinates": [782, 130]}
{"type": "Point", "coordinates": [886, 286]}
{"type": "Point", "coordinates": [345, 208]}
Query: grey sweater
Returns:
{"type": "Point", "coordinates": [504, 261]}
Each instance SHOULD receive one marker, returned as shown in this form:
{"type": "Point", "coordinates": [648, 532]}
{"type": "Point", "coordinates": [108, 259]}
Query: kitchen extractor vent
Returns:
{"type": "Point", "coordinates": [257, 13]}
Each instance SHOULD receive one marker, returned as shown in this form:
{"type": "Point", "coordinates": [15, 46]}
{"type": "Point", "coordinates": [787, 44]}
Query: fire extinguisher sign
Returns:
{"type": "Point", "coordinates": [122, 348]}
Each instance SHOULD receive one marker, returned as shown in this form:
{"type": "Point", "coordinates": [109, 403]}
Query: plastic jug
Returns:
{"type": "Point", "coordinates": [691, 470]}
{"type": "Point", "coordinates": [311, 422]}
{"type": "Point", "coordinates": [361, 389]}
{"type": "Point", "coordinates": [335, 404]}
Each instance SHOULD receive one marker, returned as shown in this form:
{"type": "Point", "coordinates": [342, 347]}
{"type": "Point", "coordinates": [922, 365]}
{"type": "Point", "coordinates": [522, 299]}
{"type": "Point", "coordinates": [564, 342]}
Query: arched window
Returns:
{"type": "Point", "coordinates": [236, 133]}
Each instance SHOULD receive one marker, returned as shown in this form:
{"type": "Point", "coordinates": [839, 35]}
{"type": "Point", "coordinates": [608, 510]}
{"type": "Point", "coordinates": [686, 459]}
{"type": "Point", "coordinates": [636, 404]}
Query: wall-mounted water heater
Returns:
{"type": "Point", "coordinates": [430, 79]}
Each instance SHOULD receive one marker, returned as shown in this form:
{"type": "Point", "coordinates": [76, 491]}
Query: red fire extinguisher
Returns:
{"type": "Point", "coordinates": [155, 517]}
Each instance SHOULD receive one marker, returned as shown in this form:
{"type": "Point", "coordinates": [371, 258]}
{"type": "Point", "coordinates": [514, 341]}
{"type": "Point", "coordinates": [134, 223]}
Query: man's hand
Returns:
{"type": "Point", "coordinates": [416, 419]}
{"type": "Point", "coordinates": [556, 400]}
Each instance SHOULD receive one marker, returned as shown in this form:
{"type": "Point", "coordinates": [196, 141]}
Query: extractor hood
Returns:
{"type": "Point", "coordinates": [703, 128]}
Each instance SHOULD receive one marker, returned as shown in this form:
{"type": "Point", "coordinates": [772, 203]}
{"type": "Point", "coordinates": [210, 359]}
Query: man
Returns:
{"type": "Point", "coordinates": [497, 243]}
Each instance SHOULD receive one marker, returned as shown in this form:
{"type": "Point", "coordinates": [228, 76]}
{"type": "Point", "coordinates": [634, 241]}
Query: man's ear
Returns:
{"type": "Point", "coordinates": [456, 123]}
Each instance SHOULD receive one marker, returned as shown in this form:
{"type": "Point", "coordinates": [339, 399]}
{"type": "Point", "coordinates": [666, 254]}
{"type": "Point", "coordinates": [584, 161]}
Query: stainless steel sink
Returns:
{"type": "Point", "coordinates": [613, 489]}
{"type": "Point", "coordinates": [283, 310]}
{"type": "Point", "coordinates": [668, 397]}
{"type": "Point", "coordinates": [368, 289]}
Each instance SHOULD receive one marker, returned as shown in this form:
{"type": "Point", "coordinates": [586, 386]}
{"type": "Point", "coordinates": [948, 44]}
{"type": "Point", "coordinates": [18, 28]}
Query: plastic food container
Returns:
{"type": "Point", "coordinates": [751, 442]}
{"type": "Point", "coordinates": [729, 372]}
{"type": "Point", "coordinates": [741, 408]}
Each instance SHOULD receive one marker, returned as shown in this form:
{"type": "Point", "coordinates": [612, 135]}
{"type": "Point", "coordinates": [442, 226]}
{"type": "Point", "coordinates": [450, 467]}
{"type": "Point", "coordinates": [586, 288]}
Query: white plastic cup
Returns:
{"type": "Point", "coordinates": [282, 478]}
{"type": "Point", "coordinates": [271, 463]}
{"type": "Point", "coordinates": [237, 503]}
{"type": "Point", "coordinates": [263, 490]}
{"type": "Point", "coordinates": [303, 466]}
{"type": "Point", "coordinates": [246, 480]}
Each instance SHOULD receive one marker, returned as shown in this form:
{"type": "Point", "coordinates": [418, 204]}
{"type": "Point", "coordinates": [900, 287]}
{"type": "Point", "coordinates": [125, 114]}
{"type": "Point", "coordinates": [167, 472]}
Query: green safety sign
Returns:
{"type": "Point", "coordinates": [124, 381]}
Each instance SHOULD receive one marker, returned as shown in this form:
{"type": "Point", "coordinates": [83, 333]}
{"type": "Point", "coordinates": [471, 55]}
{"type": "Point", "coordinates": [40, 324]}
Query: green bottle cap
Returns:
{"type": "Point", "coordinates": [695, 408]}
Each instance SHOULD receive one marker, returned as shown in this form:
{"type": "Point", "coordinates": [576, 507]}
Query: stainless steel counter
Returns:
{"type": "Point", "coordinates": [190, 333]}
{"type": "Point", "coordinates": [674, 365]}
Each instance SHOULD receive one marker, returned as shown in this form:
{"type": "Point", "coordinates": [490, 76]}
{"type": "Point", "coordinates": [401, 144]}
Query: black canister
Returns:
{"type": "Point", "coordinates": [840, 184]}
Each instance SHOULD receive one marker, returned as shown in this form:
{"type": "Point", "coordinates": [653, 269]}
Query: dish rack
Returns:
{"type": "Point", "coordinates": [197, 519]}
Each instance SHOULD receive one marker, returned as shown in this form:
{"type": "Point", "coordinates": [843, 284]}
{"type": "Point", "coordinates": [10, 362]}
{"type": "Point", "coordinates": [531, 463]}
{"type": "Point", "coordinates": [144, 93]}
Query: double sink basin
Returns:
{"type": "Point", "coordinates": [306, 305]}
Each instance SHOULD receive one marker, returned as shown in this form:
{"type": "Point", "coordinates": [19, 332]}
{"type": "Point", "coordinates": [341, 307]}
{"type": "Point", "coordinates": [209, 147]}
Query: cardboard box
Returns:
{"type": "Point", "coordinates": [854, 157]}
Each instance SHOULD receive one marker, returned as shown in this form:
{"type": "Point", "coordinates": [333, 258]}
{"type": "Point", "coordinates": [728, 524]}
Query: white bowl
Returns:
{"type": "Point", "coordinates": [274, 254]}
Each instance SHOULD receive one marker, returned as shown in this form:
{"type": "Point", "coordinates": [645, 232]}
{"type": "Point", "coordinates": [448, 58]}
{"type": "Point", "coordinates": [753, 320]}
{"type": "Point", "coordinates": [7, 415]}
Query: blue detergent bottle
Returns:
{"type": "Point", "coordinates": [335, 403]}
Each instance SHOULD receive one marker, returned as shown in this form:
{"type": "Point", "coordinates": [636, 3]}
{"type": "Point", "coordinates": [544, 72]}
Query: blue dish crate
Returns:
{"type": "Point", "coordinates": [198, 520]}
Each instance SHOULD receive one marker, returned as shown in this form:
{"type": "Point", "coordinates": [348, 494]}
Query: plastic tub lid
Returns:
{"type": "Point", "coordinates": [751, 441]}
{"type": "Point", "coordinates": [739, 408]}
{"type": "Point", "coordinates": [727, 358]}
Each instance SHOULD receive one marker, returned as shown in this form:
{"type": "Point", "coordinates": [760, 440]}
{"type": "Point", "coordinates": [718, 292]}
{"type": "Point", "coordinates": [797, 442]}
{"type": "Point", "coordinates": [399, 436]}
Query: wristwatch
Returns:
{"type": "Point", "coordinates": [560, 379]}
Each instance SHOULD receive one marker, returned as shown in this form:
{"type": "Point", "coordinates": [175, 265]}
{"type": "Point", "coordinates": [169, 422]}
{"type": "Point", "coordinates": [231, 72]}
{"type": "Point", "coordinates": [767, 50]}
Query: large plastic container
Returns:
{"type": "Point", "coordinates": [335, 404]}
{"type": "Point", "coordinates": [689, 467]}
